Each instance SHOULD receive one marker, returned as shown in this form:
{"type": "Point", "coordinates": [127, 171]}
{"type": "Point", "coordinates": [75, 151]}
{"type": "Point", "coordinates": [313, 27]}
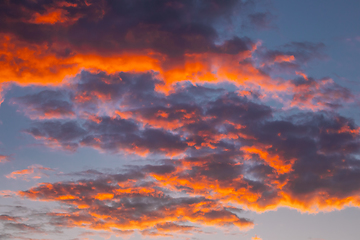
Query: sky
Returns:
{"type": "Point", "coordinates": [169, 119]}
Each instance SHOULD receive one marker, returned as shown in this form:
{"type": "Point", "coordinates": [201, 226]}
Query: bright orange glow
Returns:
{"type": "Point", "coordinates": [273, 160]}
{"type": "Point", "coordinates": [345, 129]}
{"type": "Point", "coordinates": [51, 17]}
{"type": "Point", "coordinates": [39, 66]}
{"type": "Point", "coordinates": [104, 196]}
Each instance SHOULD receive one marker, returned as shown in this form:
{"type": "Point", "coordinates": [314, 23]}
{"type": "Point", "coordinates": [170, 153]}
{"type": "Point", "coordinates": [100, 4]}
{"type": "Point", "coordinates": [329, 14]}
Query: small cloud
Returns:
{"type": "Point", "coordinates": [32, 172]}
{"type": "Point", "coordinates": [4, 158]}
{"type": "Point", "coordinates": [7, 194]}
{"type": "Point", "coordinates": [256, 238]}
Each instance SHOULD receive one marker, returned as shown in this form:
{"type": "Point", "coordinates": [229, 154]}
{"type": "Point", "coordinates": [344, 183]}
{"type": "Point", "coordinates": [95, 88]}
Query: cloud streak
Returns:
{"type": "Point", "coordinates": [32, 172]}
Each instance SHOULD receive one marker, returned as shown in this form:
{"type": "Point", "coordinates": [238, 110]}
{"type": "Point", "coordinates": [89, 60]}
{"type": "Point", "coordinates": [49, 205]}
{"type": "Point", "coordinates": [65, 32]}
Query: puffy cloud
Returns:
{"type": "Point", "coordinates": [263, 167]}
{"type": "Point", "coordinates": [59, 134]}
{"type": "Point", "coordinates": [108, 134]}
{"type": "Point", "coordinates": [226, 137]}
{"type": "Point", "coordinates": [171, 27]}
{"type": "Point", "coordinates": [170, 78]}
{"type": "Point", "coordinates": [46, 104]}
{"type": "Point", "coordinates": [44, 42]}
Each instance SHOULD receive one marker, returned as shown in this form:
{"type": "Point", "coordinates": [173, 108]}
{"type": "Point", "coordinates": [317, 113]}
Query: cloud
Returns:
{"type": "Point", "coordinates": [32, 172]}
{"type": "Point", "coordinates": [20, 227]}
{"type": "Point", "coordinates": [5, 236]}
{"type": "Point", "coordinates": [319, 94]}
{"type": "Point", "coordinates": [219, 135]}
{"type": "Point", "coordinates": [4, 158]}
{"type": "Point", "coordinates": [108, 134]}
{"type": "Point", "coordinates": [228, 121]}
{"type": "Point", "coordinates": [8, 218]}
{"type": "Point", "coordinates": [7, 193]}
{"type": "Point", "coordinates": [268, 170]}
{"type": "Point", "coordinates": [114, 202]}
{"type": "Point", "coordinates": [264, 167]}
{"type": "Point", "coordinates": [290, 57]}
{"type": "Point", "coordinates": [46, 104]}
{"type": "Point", "coordinates": [179, 35]}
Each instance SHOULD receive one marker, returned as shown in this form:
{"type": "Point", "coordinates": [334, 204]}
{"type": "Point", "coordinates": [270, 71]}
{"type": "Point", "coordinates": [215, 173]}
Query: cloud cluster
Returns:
{"type": "Point", "coordinates": [45, 43]}
{"type": "Point", "coordinates": [258, 156]}
{"type": "Point", "coordinates": [132, 201]}
{"type": "Point", "coordinates": [174, 81]}
{"type": "Point", "coordinates": [42, 42]}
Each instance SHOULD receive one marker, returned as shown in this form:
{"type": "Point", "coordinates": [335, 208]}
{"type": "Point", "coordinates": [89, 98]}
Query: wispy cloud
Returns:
{"type": "Point", "coordinates": [32, 172]}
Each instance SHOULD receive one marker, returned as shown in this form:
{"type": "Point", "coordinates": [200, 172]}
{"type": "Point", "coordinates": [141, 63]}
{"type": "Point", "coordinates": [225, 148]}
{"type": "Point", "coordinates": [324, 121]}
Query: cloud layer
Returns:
{"type": "Point", "coordinates": [227, 123]}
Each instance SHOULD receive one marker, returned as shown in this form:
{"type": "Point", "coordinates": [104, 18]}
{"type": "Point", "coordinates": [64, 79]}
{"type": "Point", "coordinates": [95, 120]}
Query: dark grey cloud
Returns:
{"type": "Point", "coordinates": [297, 53]}
{"type": "Point", "coordinates": [21, 227]}
{"type": "Point", "coordinates": [109, 134]}
{"type": "Point", "coordinates": [169, 27]}
{"type": "Point", "coordinates": [46, 104]}
{"type": "Point", "coordinates": [122, 88]}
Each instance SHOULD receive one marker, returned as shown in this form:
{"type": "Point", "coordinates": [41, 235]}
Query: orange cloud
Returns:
{"type": "Point", "coordinates": [284, 58]}
{"type": "Point", "coordinates": [147, 208]}
{"type": "Point", "coordinates": [8, 218]}
{"type": "Point", "coordinates": [273, 159]}
{"type": "Point", "coordinates": [29, 64]}
{"type": "Point", "coordinates": [4, 158]}
{"type": "Point", "coordinates": [302, 74]}
{"type": "Point", "coordinates": [32, 172]}
{"type": "Point", "coordinates": [51, 17]}
{"type": "Point", "coordinates": [256, 238]}
{"type": "Point", "coordinates": [57, 14]}
{"type": "Point", "coordinates": [34, 64]}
